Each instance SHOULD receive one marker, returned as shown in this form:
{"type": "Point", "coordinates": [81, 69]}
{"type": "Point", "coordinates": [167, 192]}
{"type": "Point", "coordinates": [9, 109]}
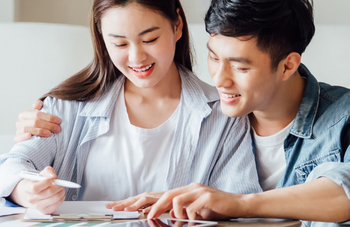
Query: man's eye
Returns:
{"type": "Point", "coordinates": [213, 58]}
{"type": "Point", "coordinates": [243, 70]}
{"type": "Point", "coordinates": [151, 41]}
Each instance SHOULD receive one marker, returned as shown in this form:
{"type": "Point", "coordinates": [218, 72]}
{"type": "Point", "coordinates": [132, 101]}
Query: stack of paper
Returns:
{"type": "Point", "coordinates": [81, 209]}
{"type": "Point", "coordinates": [4, 211]}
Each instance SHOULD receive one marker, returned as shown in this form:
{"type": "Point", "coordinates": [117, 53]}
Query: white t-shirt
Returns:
{"type": "Point", "coordinates": [270, 158]}
{"type": "Point", "coordinates": [128, 160]}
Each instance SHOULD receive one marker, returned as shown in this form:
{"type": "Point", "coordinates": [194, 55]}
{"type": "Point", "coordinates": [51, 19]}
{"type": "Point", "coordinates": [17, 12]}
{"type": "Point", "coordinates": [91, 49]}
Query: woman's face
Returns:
{"type": "Point", "coordinates": [141, 43]}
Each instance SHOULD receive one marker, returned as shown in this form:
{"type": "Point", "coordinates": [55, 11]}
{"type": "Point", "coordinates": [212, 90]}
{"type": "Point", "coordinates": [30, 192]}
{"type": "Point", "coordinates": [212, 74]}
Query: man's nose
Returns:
{"type": "Point", "coordinates": [223, 77]}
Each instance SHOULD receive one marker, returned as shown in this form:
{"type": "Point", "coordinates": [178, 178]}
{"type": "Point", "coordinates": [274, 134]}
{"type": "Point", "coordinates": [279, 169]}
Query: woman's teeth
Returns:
{"type": "Point", "coordinates": [230, 96]}
{"type": "Point", "coordinates": [143, 69]}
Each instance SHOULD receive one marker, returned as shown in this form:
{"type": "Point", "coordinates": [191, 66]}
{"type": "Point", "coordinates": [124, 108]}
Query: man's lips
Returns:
{"type": "Point", "coordinates": [229, 98]}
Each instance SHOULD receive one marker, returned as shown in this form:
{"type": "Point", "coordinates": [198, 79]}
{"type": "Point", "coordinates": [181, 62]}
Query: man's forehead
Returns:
{"type": "Point", "coordinates": [225, 44]}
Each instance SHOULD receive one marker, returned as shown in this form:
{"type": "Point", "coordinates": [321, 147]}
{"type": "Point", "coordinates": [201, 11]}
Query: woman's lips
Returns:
{"type": "Point", "coordinates": [144, 71]}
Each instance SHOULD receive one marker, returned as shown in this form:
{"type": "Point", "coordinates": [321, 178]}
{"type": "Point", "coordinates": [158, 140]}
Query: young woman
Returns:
{"type": "Point", "coordinates": [135, 120]}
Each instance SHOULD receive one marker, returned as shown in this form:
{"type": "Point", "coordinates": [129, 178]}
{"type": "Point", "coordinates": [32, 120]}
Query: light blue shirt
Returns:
{"type": "Point", "coordinates": [209, 147]}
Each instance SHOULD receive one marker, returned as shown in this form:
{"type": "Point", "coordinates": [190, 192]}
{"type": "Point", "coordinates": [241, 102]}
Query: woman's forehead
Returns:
{"type": "Point", "coordinates": [132, 17]}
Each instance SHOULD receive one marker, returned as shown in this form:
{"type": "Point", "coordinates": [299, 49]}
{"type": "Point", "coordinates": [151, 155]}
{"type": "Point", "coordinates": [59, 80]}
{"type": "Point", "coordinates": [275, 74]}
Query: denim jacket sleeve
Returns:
{"type": "Point", "coordinates": [33, 154]}
{"type": "Point", "coordinates": [337, 171]}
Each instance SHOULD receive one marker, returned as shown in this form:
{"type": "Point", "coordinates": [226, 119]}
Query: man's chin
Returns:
{"type": "Point", "coordinates": [231, 112]}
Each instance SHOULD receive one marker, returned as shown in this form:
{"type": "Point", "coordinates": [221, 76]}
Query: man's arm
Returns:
{"type": "Point", "coordinates": [35, 123]}
{"type": "Point", "coordinates": [319, 200]}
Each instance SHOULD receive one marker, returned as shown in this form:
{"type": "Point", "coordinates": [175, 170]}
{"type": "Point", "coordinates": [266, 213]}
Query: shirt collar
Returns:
{"type": "Point", "coordinates": [197, 93]}
{"type": "Point", "coordinates": [194, 91]}
{"type": "Point", "coordinates": [305, 117]}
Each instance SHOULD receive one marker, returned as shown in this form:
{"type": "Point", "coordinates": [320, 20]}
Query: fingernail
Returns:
{"type": "Point", "coordinates": [57, 129]}
{"type": "Point", "coordinates": [26, 135]}
{"type": "Point", "coordinates": [46, 132]}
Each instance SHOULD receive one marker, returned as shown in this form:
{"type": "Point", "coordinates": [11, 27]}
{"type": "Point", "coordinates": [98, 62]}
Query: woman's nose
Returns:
{"type": "Point", "coordinates": [137, 55]}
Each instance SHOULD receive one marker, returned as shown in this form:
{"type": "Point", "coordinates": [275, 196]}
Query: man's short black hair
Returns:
{"type": "Point", "coordinates": [280, 26]}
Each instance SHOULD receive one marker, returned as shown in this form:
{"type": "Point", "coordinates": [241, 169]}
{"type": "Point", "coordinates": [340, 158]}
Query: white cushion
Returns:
{"type": "Point", "coordinates": [34, 58]}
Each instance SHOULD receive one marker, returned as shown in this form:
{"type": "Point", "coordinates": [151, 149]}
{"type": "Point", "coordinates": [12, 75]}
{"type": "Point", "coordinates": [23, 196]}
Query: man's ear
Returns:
{"type": "Point", "coordinates": [178, 26]}
{"type": "Point", "coordinates": [290, 65]}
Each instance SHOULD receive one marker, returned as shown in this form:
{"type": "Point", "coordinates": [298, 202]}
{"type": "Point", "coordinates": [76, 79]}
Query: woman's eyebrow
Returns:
{"type": "Point", "coordinates": [141, 33]}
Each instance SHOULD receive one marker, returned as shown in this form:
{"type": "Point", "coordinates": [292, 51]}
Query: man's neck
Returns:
{"type": "Point", "coordinates": [281, 111]}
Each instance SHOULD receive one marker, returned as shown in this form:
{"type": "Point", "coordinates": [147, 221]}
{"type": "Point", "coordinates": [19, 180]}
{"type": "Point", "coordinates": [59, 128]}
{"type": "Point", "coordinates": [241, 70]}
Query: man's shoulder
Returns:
{"type": "Point", "coordinates": [333, 93]}
{"type": "Point", "coordinates": [333, 108]}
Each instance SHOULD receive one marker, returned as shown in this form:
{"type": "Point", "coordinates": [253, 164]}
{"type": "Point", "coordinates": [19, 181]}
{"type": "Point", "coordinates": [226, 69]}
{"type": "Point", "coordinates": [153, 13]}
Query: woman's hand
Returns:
{"type": "Point", "coordinates": [143, 201]}
{"type": "Point", "coordinates": [43, 196]}
{"type": "Point", "coordinates": [35, 123]}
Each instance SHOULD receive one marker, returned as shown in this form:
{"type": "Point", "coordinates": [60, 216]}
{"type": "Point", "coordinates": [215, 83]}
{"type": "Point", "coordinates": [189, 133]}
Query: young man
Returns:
{"type": "Point", "coordinates": [300, 128]}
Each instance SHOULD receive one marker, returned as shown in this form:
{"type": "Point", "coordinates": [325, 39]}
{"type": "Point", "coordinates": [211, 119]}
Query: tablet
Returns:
{"type": "Point", "coordinates": [166, 222]}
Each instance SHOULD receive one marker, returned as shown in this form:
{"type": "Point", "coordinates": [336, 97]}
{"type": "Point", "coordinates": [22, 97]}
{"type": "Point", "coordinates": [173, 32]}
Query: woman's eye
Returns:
{"type": "Point", "coordinates": [151, 41]}
{"type": "Point", "coordinates": [120, 45]}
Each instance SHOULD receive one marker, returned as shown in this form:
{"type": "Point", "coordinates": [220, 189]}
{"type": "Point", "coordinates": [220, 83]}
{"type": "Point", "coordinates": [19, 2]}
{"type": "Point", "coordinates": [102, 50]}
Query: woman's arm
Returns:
{"type": "Point", "coordinates": [35, 123]}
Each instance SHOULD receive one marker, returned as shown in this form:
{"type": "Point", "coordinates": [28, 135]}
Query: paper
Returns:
{"type": "Point", "coordinates": [5, 211]}
{"type": "Point", "coordinates": [81, 208]}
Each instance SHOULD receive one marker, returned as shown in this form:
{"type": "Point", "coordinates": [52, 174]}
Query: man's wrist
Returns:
{"type": "Point", "coordinates": [250, 205]}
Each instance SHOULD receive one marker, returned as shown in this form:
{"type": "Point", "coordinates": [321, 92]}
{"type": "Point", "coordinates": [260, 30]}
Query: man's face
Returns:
{"type": "Point", "coordinates": [242, 75]}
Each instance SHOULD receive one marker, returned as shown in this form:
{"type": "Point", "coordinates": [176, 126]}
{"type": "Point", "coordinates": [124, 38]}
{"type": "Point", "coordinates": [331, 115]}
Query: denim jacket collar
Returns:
{"type": "Point", "coordinates": [304, 120]}
{"type": "Point", "coordinates": [193, 91]}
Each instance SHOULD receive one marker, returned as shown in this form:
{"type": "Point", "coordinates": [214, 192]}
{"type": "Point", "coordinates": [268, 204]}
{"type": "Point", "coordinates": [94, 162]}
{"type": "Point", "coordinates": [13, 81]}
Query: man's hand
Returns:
{"type": "Point", "coordinates": [35, 123]}
{"type": "Point", "coordinates": [197, 201]}
{"type": "Point", "coordinates": [43, 196]}
{"type": "Point", "coordinates": [143, 201]}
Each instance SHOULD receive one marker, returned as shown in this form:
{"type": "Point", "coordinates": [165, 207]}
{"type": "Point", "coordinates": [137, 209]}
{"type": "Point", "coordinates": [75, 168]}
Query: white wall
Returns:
{"type": "Point", "coordinates": [7, 10]}
{"type": "Point", "coordinates": [77, 11]}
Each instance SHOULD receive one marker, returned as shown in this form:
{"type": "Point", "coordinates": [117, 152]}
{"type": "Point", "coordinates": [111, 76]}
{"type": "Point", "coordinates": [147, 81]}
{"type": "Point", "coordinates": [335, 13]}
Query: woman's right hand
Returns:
{"type": "Point", "coordinates": [43, 196]}
{"type": "Point", "coordinates": [35, 123]}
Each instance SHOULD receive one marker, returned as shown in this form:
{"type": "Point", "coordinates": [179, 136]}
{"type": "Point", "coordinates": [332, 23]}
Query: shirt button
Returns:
{"type": "Point", "coordinates": [74, 197]}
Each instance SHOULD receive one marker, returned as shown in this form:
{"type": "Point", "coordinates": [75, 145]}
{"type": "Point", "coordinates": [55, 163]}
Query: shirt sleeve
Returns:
{"type": "Point", "coordinates": [235, 171]}
{"type": "Point", "coordinates": [33, 154]}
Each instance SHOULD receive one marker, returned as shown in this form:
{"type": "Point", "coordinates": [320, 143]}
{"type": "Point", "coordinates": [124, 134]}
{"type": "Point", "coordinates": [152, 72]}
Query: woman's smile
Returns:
{"type": "Point", "coordinates": [143, 71]}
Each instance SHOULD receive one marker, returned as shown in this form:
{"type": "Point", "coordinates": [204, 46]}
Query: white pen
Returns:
{"type": "Point", "coordinates": [36, 177]}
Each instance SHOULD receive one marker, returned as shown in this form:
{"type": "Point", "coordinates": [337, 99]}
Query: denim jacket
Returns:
{"type": "Point", "coordinates": [318, 142]}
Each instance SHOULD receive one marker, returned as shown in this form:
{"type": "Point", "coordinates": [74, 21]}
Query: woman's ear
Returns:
{"type": "Point", "coordinates": [178, 26]}
{"type": "Point", "coordinates": [290, 64]}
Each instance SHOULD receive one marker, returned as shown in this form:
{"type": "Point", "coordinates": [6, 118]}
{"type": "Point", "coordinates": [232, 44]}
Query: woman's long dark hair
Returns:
{"type": "Point", "coordinates": [96, 78]}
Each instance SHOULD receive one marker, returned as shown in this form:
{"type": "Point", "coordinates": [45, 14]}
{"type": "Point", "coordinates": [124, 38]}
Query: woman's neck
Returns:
{"type": "Point", "coordinates": [150, 107]}
{"type": "Point", "coordinates": [168, 87]}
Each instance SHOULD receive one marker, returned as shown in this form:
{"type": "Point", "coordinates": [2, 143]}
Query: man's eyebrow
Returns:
{"type": "Point", "coordinates": [141, 33]}
{"type": "Point", "coordinates": [240, 60]}
{"type": "Point", "coordinates": [236, 59]}
{"type": "Point", "coordinates": [210, 48]}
